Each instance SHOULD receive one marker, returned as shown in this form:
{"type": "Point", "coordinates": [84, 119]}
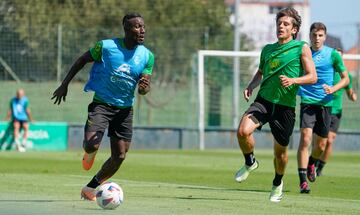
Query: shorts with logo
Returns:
{"type": "Point", "coordinates": [281, 118]}
{"type": "Point", "coordinates": [316, 117]}
{"type": "Point", "coordinates": [118, 120]}
{"type": "Point", "coordinates": [335, 122]}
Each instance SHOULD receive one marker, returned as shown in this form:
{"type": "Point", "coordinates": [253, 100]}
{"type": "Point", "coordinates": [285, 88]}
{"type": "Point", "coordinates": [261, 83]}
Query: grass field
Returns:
{"type": "Point", "coordinates": [174, 182]}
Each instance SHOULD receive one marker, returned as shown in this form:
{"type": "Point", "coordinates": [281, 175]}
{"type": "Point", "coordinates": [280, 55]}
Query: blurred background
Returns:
{"type": "Point", "coordinates": [41, 39]}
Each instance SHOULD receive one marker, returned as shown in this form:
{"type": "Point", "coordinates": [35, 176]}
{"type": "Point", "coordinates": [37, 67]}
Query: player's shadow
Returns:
{"type": "Point", "coordinates": [8, 138]}
{"type": "Point", "coordinates": [224, 189]}
{"type": "Point", "coordinates": [203, 198]}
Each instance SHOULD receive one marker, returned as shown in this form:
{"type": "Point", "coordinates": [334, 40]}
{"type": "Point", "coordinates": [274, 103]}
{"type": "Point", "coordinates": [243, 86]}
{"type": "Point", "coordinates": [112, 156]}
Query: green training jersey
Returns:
{"type": "Point", "coordinates": [280, 59]}
{"type": "Point", "coordinates": [337, 96]}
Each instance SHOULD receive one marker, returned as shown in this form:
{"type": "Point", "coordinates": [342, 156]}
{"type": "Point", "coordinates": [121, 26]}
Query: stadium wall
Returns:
{"type": "Point", "coordinates": [48, 136]}
{"type": "Point", "coordinates": [187, 138]}
{"type": "Point", "coordinates": [42, 136]}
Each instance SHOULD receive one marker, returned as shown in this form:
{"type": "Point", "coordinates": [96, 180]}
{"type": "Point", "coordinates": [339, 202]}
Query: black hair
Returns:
{"type": "Point", "coordinates": [127, 17]}
{"type": "Point", "coordinates": [318, 26]}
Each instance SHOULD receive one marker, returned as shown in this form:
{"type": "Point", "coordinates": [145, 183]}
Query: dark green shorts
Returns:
{"type": "Point", "coordinates": [335, 122]}
{"type": "Point", "coordinates": [280, 118]}
{"type": "Point", "coordinates": [316, 117]}
{"type": "Point", "coordinates": [118, 121]}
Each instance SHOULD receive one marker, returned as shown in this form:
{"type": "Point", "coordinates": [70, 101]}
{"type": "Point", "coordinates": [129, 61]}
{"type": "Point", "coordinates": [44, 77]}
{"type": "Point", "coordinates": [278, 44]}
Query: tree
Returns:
{"type": "Point", "coordinates": [176, 29]}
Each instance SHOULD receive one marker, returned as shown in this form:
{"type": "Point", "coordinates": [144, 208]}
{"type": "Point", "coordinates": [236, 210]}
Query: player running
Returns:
{"type": "Point", "coordinates": [316, 102]}
{"type": "Point", "coordinates": [284, 66]}
{"type": "Point", "coordinates": [336, 113]}
{"type": "Point", "coordinates": [120, 65]}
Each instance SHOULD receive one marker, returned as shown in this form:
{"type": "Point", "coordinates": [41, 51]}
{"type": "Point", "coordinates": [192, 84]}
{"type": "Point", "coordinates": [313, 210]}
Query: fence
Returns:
{"type": "Point", "coordinates": [173, 100]}
{"type": "Point", "coordinates": [38, 65]}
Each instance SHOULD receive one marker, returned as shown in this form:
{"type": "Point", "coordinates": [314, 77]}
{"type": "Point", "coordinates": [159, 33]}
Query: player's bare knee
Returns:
{"type": "Point", "coordinates": [122, 156]}
{"type": "Point", "coordinates": [329, 142]}
{"type": "Point", "coordinates": [118, 159]}
{"type": "Point", "coordinates": [280, 150]}
{"type": "Point", "coordinates": [89, 148]}
{"type": "Point", "coordinates": [305, 141]}
{"type": "Point", "coordinates": [92, 143]}
{"type": "Point", "coordinates": [16, 125]}
{"type": "Point", "coordinates": [322, 146]}
{"type": "Point", "coordinates": [282, 157]}
{"type": "Point", "coordinates": [243, 133]}
{"type": "Point", "coordinates": [331, 139]}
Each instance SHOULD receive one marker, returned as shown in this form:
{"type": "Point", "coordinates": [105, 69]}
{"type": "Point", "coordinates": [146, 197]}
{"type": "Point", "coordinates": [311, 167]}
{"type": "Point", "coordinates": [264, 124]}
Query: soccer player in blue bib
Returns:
{"type": "Point", "coordinates": [336, 114]}
{"type": "Point", "coordinates": [120, 64]}
{"type": "Point", "coordinates": [316, 103]}
{"type": "Point", "coordinates": [20, 115]}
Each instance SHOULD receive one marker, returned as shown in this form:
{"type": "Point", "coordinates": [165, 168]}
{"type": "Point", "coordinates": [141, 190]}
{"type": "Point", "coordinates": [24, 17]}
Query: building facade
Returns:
{"type": "Point", "coordinates": [257, 18]}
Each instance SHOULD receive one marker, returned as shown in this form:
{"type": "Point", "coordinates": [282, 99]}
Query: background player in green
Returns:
{"type": "Point", "coordinates": [316, 102]}
{"type": "Point", "coordinates": [284, 66]}
{"type": "Point", "coordinates": [336, 113]}
{"type": "Point", "coordinates": [120, 64]}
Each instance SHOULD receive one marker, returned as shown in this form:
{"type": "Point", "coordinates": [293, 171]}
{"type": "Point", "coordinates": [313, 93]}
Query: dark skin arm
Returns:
{"type": "Point", "coordinates": [144, 84]}
{"type": "Point", "coordinates": [61, 92]}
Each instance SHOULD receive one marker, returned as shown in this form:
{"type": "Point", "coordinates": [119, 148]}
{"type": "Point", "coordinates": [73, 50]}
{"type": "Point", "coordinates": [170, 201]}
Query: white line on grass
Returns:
{"type": "Point", "coordinates": [156, 184]}
{"type": "Point", "coordinates": [164, 184]}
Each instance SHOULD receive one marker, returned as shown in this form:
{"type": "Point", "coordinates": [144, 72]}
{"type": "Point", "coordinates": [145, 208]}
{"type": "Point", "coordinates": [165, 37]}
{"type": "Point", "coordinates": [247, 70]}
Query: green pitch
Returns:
{"type": "Point", "coordinates": [174, 182]}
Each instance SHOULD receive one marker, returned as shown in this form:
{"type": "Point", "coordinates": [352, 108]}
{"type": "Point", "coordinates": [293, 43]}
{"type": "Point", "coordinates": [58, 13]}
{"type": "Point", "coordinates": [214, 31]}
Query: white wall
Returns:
{"type": "Point", "coordinates": [258, 23]}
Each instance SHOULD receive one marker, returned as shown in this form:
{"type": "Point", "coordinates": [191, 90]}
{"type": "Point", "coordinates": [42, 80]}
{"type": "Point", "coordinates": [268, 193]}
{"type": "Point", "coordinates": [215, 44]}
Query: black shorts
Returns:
{"type": "Point", "coordinates": [117, 120]}
{"type": "Point", "coordinates": [316, 117]}
{"type": "Point", "coordinates": [281, 118]}
{"type": "Point", "coordinates": [22, 122]}
{"type": "Point", "coordinates": [335, 122]}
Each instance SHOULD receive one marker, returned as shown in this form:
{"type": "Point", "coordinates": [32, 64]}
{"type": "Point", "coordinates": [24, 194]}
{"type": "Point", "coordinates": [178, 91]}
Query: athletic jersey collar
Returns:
{"type": "Point", "coordinates": [284, 43]}
{"type": "Point", "coordinates": [314, 51]}
{"type": "Point", "coordinates": [122, 44]}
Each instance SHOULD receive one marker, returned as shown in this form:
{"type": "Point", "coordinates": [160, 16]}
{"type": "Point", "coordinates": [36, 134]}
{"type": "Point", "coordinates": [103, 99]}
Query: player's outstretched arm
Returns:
{"type": "Point", "coordinates": [144, 84]}
{"type": "Point", "coordinates": [308, 65]}
{"type": "Point", "coordinates": [61, 92]}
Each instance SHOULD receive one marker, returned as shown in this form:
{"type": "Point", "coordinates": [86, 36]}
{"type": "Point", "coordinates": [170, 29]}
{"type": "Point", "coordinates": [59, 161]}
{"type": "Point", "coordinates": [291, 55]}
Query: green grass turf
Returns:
{"type": "Point", "coordinates": [174, 182]}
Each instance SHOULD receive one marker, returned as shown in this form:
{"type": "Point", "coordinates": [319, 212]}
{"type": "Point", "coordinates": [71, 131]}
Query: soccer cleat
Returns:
{"type": "Point", "coordinates": [304, 187]}
{"type": "Point", "coordinates": [277, 192]}
{"type": "Point", "coordinates": [311, 173]}
{"type": "Point", "coordinates": [318, 168]}
{"type": "Point", "coordinates": [20, 147]}
{"type": "Point", "coordinates": [88, 160]}
{"type": "Point", "coordinates": [88, 193]}
{"type": "Point", "coordinates": [244, 171]}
